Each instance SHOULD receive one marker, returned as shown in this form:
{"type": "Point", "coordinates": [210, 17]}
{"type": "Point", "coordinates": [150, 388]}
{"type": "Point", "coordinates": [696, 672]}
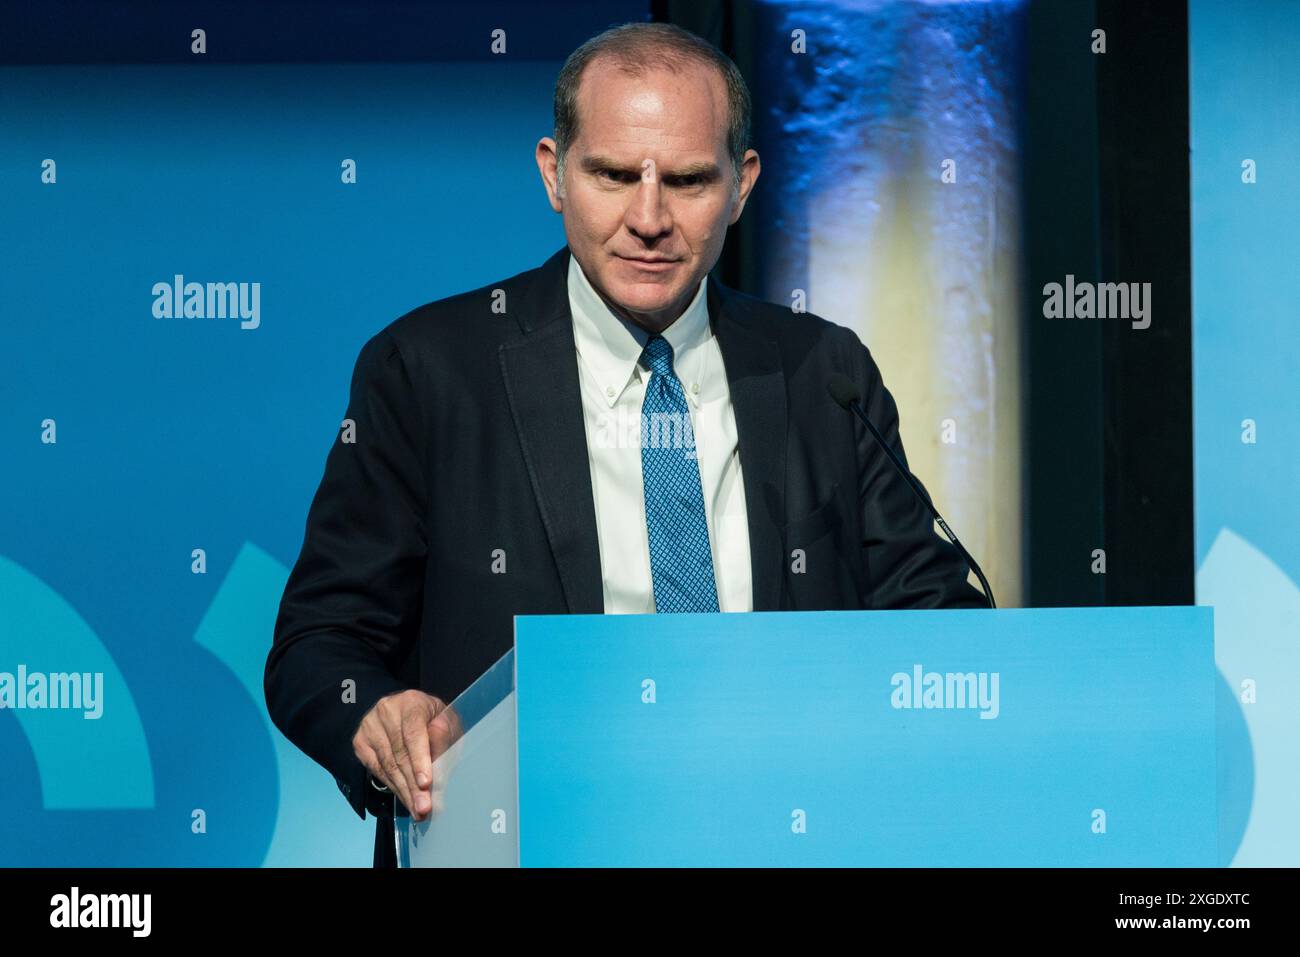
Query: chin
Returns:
{"type": "Point", "coordinates": [644, 297]}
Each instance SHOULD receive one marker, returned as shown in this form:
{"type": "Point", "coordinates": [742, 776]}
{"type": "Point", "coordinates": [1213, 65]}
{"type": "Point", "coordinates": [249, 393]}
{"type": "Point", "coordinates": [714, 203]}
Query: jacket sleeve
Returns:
{"type": "Point", "coordinates": [351, 608]}
{"type": "Point", "coordinates": [908, 562]}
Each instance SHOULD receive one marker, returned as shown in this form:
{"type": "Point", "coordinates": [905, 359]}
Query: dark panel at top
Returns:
{"type": "Point", "coordinates": [299, 31]}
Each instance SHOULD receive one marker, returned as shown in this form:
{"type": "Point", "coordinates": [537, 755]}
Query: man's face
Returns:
{"type": "Point", "coordinates": [648, 190]}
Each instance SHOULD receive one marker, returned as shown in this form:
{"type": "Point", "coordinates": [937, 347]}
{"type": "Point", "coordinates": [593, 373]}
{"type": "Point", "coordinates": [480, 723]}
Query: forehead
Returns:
{"type": "Point", "coordinates": [683, 109]}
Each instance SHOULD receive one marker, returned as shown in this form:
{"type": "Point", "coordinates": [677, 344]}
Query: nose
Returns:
{"type": "Point", "coordinates": [647, 215]}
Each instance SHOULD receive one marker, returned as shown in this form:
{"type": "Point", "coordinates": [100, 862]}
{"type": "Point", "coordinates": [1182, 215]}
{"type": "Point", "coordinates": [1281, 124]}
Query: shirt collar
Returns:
{"type": "Point", "coordinates": [610, 346]}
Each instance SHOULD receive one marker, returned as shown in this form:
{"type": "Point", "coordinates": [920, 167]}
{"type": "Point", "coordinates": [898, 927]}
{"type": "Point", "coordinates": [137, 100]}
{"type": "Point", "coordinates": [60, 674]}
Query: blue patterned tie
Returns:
{"type": "Point", "coordinates": [681, 564]}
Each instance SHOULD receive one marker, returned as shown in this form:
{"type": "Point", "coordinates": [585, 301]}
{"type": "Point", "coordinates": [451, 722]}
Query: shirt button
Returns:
{"type": "Point", "coordinates": [610, 391]}
{"type": "Point", "coordinates": [695, 387]}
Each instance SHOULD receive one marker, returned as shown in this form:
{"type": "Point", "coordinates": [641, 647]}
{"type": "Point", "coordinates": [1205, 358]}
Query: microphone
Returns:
{"type": "Point", "coordinates": [845, 393]}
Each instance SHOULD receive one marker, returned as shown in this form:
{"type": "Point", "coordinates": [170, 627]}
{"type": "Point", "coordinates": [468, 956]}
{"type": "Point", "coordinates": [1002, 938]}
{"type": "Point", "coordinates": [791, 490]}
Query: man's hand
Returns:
{"type": "Point", "coordinates": [398, 741]}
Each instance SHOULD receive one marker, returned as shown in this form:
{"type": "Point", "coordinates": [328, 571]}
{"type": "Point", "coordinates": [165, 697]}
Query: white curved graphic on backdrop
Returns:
{"type": "Point", "coordinates": [1257, 638]}
{"type": "Point", "coordinates": [314, 825]}
{"type": "Point", "coordinates": [84, 764]}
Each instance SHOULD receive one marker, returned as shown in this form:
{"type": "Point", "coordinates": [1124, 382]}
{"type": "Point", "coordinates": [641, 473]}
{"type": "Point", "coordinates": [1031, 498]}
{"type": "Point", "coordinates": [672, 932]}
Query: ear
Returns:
{"type": "Point", "coordinates": [750, 167]}
{"type": "Point", "coordinates": [548, 166]}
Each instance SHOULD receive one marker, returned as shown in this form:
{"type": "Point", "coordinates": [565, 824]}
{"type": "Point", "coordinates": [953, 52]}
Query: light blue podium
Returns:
{"type": "Point", "coordinates": [1020, 737]}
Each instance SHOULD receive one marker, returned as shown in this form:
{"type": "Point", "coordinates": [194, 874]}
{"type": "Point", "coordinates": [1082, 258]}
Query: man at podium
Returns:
{"type": "Point", "coordinates": [614, 431]}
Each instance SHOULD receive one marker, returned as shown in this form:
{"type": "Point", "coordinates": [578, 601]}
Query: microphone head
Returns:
{"type": "Point", "coordinates": [842, 389]}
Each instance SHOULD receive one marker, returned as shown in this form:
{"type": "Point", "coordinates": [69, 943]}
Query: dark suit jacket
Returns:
{"type": "Point", "coordinates": [469, 437]}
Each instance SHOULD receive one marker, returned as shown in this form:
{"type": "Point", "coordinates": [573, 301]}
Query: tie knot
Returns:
{"type": "Point", "coordinates": [658, 356]}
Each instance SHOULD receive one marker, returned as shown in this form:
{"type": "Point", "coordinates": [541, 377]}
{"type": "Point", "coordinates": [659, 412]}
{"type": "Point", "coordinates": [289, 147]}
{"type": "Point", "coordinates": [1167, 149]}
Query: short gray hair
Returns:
{"type": "Point", "coordinates": [637, 47]}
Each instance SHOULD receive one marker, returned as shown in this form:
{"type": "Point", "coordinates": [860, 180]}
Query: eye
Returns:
{"type": "Point", "coordinates": [616, 175]}
{"type": "Point", "coordinates": [687, 181]}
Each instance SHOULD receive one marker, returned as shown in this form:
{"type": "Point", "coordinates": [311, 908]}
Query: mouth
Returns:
{"type": "Point", "coordinates": [650, 263]}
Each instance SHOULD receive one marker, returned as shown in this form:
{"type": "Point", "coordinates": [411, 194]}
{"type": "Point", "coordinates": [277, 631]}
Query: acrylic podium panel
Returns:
{"type": "Point", "coordinates": [474, 784]}
{"type": "Point", "coordinates": [1038, 737]}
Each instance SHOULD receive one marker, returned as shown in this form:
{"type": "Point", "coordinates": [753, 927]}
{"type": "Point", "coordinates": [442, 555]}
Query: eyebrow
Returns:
{"type": "Point", "coordinates": [706, 171]}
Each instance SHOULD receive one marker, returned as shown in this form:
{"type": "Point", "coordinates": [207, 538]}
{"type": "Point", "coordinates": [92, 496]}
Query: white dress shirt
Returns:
{"type": "Point", "coordinates": [613, 388]}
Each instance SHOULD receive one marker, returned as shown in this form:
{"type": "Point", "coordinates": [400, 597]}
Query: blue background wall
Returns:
{"type": "Point", "coordinates": [1244, 106]}
{"type": "Point", "coordinates": [176, 434]}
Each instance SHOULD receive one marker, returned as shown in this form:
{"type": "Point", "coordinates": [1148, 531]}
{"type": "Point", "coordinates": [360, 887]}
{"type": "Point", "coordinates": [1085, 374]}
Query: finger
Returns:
{"type": "Point", "coordinates": [401, 764]}
{"type": "Point", "coordinates": [415, 736]}
{"type": "Point", "coordinates": [370, 761]}
{"type": "Point", "coordinates": [457, 732]}
{"type": "Point", "coordinates": [444, 730]}
{"type": "Point", "coordinates": [389, 771]}
{"type": "Point", "coordinates": [441, 770]}
{"type": "Point", "coordinates": [438, 788]}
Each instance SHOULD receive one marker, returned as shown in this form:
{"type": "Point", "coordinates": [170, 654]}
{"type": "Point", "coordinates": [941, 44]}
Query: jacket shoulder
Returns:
{"type": "Point", "coordinates": [477, 316]}
{"type": "Point", "coordinates": [799, 332]}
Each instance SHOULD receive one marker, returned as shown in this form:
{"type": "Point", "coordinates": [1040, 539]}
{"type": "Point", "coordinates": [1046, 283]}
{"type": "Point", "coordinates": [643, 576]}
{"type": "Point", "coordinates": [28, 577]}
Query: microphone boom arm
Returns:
{"type": "Point", "coordinates": [845, 393]}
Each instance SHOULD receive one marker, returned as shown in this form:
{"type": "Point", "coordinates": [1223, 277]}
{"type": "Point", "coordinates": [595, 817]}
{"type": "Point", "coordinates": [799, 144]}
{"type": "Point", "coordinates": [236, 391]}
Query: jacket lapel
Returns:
{"type": "Point", "coordinates": [757, 384]}
{"type": "Point", "coordinates": [540, 370]}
